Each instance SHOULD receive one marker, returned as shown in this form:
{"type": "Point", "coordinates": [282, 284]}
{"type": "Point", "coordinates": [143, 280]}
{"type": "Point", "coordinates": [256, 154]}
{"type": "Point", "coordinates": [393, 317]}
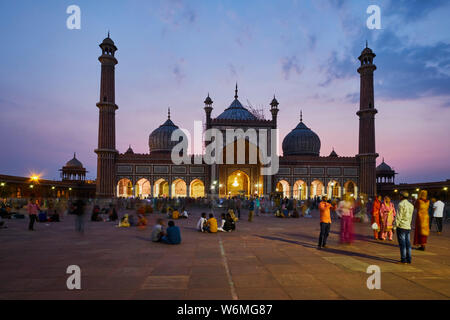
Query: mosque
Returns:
{"type": "Point", "coordinates": [302, 173]}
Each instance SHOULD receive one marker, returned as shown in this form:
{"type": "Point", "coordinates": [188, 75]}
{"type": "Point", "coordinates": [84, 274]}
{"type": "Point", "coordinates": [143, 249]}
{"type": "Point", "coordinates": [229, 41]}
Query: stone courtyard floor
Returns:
{"type": "Point", "coordinates": [269, 258]}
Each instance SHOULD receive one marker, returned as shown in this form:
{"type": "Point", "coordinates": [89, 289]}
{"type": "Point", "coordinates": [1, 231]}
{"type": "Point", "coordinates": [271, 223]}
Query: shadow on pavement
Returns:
{"type": "Point", "coordinates": [331, 250]}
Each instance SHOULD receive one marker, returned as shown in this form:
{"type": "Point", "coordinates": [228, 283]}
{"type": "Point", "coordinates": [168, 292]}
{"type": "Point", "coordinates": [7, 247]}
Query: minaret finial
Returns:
{"type": "Point", "coordinates": [367, 44]}
{"type": "Point", "coordinates": [168, 113]}
{"type": "Point", "coordinates": [383, 159]}
{"type": "Point", "coordinates": [236, 92]}
{"type": "Point", "coordinates": [108, 33]}
{"type": "Point", "coordinates": [74, 155]}
{"type": "Point", "coordinates": [301, 115]}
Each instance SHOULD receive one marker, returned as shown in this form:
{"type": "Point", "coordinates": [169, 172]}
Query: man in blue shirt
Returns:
{"type": "Point", "coordinates": [173, 235]}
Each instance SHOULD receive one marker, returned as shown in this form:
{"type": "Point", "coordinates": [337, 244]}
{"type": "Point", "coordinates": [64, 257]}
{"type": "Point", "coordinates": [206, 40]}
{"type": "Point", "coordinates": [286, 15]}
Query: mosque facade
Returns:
{"type": "Point", "coordinates": [302, 173]}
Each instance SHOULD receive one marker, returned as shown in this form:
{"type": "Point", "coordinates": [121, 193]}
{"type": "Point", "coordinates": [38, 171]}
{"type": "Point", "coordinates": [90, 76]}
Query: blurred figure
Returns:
{"type": "Point", "coordinates": [403, 227]}
{"type": "Point", "coordinates": [230, 224]}
{"type": "Point", "coordinates": [345, 212]}
{"type": "Point", "coordinates": [158, 231]}
{"type": "Point", "coordinates": [125, 222]}
{"type": "Point", "coordinates": [438, 214]}
{"type": "Point", "coordinates": [387, 216]}
{"type": "Point", "coordinates": [78, 210]}
{"type": "Point", "coordinates": [33, 210]}
{"type": "Point", "coordinates": [422, 229]}
{"type": "Point", "coordinates": [325, 222]}
{"type": "Point", "coordinates": [251, 210]}
{"type": "Point", "coordinates": [201, 224]}
{"type": "Point", "coordinates": [376, 217]}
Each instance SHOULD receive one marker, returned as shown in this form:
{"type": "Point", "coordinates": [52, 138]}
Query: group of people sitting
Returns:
{"type": "Point", "coordinates": [227, 223]}
{"type": "Point", "coordinates": [175, 214]}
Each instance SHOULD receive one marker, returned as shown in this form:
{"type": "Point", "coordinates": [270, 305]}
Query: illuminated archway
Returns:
{"type": "Point", "coordinates": [317, 189]}
{"type": "Point", "coordinates": [351, 188]}
{"type": "Point", "coordinates": [197, 189]}
{"type": "Point", "coordinates": [283, 186]}
{"type": "Point", "coordinates": [300, 190]}
{"type": "Point", "coordinates": [334, 189]}
{"type": "Point", "coordinates": [143, 188]}
{"type": "Point", "coordinates": [179, 188]}
{"type": "Point", "coordinates": [238, 183]}
{"type": "Point", "coordinates": [161, 188]}
{"type": "Point", "coordinates": [124, 188]}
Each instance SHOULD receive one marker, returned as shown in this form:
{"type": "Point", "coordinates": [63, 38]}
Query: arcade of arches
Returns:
{"type": "Point", "coordinates": [302, 191]}
{"type": "Point", "coordinates": [143, 188]}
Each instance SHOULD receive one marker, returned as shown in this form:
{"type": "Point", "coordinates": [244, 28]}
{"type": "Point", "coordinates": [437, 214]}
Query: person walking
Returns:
{"type": "Point", "coordinates": [239, 206]}
{"type": "Point", "coordinates": [438, 214]}
{"type": "Point", "coordinates": [402, 226]}
{"type": "Point", "coordinates": [387, 216]}
{"type": "Point", "coordinates": [33, 210]}
{"type": "Point", "coordinates": [422, 228]}
{"type": "Point", "coordinates": [325, 222]}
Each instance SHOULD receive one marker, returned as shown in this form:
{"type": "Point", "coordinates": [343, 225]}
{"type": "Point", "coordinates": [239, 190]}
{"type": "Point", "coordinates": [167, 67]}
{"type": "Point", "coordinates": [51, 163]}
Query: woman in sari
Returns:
{"type": "Point", "coordinates": [345, 212]}
{"type": "Point", "coordinates": [422, 230]}
{"type": "Point", "coordinates": [387, 216]}
{"type": "Point", "coordinates": [376, 217]}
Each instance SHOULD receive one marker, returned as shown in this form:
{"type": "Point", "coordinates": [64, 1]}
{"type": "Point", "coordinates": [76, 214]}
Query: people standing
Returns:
{"type": "Point", "coordinates": [422, 228]}
{"type": "Point", "coordinates": [438, 214]}
{"type": "Point", "coordinates": [325, 222]}
{"type": "Point", "coordinates": [345, 212]}
{"type": "Point", "coordinates": [33, 210]}
{"type": "Point", "coordinates": [376, 217]}
{"type": "Point", "coordinates": [403, 227]}
{"type": "Point", "coordinates": [238, 206]}
{"type": "Point", "coordinates": [387, 216]}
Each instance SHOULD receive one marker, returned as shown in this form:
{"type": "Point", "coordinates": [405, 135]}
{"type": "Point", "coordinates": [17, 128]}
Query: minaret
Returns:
{"type": "Point", "coordinates": [274, 110]}
{"type": "Point", "coordinates": [208, 109]}
{"type": "Point", "coordinates": [106, 151]}
{"type": "Point", "coordinates": [367, 155]}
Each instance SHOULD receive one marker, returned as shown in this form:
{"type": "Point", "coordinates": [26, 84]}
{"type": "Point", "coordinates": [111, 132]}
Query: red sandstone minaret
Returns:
{"type": "Point", "coordinates": [106, 151]}
{"type": "Point", "coordinates": [367, 155]}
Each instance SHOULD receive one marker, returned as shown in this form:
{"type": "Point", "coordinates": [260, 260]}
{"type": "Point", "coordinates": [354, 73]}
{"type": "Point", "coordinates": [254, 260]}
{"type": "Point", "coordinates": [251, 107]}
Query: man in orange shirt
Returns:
{"type": "Point", "coordinates": [325, 221]}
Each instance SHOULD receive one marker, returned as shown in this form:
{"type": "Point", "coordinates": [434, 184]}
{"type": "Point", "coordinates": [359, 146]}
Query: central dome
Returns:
{"type": "Point", "coordinates": [301, 141]}
{"type": "Point", "coordinates": [236, 111]}
{"type": "Point", "coordinates": [160, 140]}
{"type": "Point", "coordinates": [74, 163]}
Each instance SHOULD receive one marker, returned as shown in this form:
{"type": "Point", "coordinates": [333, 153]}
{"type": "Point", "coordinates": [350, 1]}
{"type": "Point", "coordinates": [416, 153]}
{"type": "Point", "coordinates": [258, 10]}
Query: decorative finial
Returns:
{"type": "Point", "coordinates": [367, 44]}
{"type": "Point", "coordinates": [108, 33]}
{"type": "Point", "coordinates": [301, 116]}
{"type": "Point", "coordinates": [168, 114]}
{"type": "Point", "coordinates": [74, 155]}
{"type": "Point", "coordinates": [383, 159]}
{"type": "Point", "coordinates": [236, 91]}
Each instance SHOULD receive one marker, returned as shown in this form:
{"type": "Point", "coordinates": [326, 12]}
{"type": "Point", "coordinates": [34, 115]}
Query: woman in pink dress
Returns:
{"type": "Point", "coordinates": [345, 212]}
{"type": "Point", "coordinates": [387, 216]}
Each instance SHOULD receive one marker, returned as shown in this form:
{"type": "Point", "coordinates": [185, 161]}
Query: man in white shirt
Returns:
{"type": "Point", "coordinates": [438, 214]}
{"type": "Point", "coordinates": [201, 224]}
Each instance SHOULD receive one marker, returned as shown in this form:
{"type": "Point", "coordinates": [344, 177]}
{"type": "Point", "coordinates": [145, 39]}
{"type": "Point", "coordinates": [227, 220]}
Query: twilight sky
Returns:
{"type": "Point", "coordinates": [172, 53]}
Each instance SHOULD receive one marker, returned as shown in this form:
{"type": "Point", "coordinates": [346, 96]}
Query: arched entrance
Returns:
{"type": "Point", "coordinates": [284, 187]}
{"type": "Point", "coordinates": [197, 189]}
{"type": "Point", "coordinates": [238, 183]}
{"type": "Point", "coordinates": [124, 188]}
{"type": "Point", "coordinates": [179, 188]}
{"type": "Point", "coordinates": [300, 191]}
{"type": "Point", "coordinates": [334, 189]}
{"type": "Point", "coordinates": [351, 188]}
{"type": "Point", "coordinates": [143, 188]}
{"type": "Point", "coordinates": [317, 189]}
{"type": "Point", "coordinates": [161, 188]}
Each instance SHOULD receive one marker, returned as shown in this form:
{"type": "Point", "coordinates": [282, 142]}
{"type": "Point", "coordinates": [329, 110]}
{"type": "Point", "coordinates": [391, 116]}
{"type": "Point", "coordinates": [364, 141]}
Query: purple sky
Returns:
{"type": "Point", "coordinates": [172, 53]}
